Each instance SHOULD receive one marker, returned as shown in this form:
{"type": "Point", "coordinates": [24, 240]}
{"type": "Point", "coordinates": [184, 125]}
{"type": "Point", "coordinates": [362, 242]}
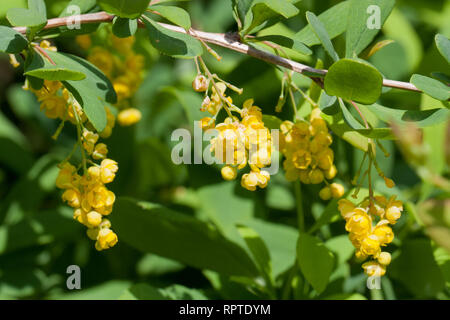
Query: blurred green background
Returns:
{"type": "Point", "coordinates": [39, 239]}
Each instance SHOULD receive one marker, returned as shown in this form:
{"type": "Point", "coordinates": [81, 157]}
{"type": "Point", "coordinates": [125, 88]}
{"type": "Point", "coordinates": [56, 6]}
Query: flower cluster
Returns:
{"type": "Point", "coordinates": [123, 67]}
{"type": "Point", "coordinates": [244, 142]}
{"type": "Point", "coordinates": [309, 158]}
{"type": "Point", "coordinates": [89, 197]}
{"type": "Point", "coordinates": [368, 225]}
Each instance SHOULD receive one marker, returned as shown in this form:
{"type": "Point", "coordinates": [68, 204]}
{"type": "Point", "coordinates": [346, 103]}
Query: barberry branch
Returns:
{"type": "Point", "coordinates": [227, 40]}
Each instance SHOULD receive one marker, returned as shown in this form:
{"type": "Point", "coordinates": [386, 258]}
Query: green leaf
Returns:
{"type": "Point", "coordinates": [343, 130]}
{"type": "Point", "coordinates": [431, 87]}
{"type": "Point", "coordinates": [124, 28]}
{"type": "Point", "coordinates": [124, 8]}
{"type": "Point", "coordinates": [443, 45]}
{"type": "Point", "coordinates": [11, 41]}
{"type": "Point", "coordinates": [93, 93]}
{"type": "Point", "coordinates": [334, 20]}
{"type": "Point", "coordinates": [152, 228]}
{"type": "Point", "coordinates": [315, 260]}
{"type": "Point", "coordinates": [259, 252]}
{"type": "Point", "coordinates": [355, 80]}
{"type": "Point", "coordinates": [40, 67]}
{"type": "Point", "coordinates": [175, 15]}
{"type": "Point", "coordinates": [328, 103]}
{"type": "Point", "coordinates": [359, 35]}
{"type": "Point", "coordinates": [416, 261]}
{"type": "Point", "coordinates": [34, 16]}
{"type": "Point", "coordinates": [420, 118]}
{"type": "Point", "coordinates": [441, 76]}
{"type": "Point", "coordinates": [321, 33]}
{"type": "Point", "coordinates": [271, 122]}
{"type": "Point", "coordinates": [287, 43]}
{"type": "Point", "coordinates": [142, 291]}
{"type": "Point", "coordinates": [348, 117]}
{"type": "Point", "coordinates": [175, 44]}
{"type": "Point", "coordinates": [263, 10]}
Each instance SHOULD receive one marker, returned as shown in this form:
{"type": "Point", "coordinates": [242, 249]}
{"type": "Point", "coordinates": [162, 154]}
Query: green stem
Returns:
{"type": "Point", "coordinates": [299, 202]}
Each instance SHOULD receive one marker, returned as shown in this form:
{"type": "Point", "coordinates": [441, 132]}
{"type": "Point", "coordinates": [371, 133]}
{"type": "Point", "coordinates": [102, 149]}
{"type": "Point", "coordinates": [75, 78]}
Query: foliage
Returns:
{"type": "Point", "coordinates": [183, 232]}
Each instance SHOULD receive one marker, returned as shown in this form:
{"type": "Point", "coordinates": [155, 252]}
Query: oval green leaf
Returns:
{"type": "Point", "coordinates": [124, 8]}
{"type": "Point", "coordinates": [431, 87]}
{"type": "Point", "coordinates": [355, 80]}
{"type": "Point", "coordinates": [11, 41]}
{"type": "Point", "coordinates": [175, 15]}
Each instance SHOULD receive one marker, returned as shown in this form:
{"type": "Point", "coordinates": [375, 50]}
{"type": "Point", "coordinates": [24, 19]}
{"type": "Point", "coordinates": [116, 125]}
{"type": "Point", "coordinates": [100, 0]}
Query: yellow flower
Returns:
{"type": "Point", "coordinates": [373, 268]}
{"type": "Point", "coordinates": [346, 208]}
{"type": "Point", "coordinates": [393, 210]}
{"type": "Point", "coordinates": [102, 59]}
{"type": "Point", "coordinates": [331, 172]}
{"type": "Point", "coordinates": [100, 197]}
{"type": "Point", "coordinates": [129, 117]}
{"type": "Point", "coordinates": [108, 169]}
{"type": "Point", "coordinates": [359, 223]}
{"type": "Point", "coordinates": [106, 239]}
{"type": "Point", "coordinates": [316, 176]}
{"type": "Point", "coordinates": [370, 246]}
{"type": "Point", "coordinates": [122, 90]}
{"type": "Point", "coordinates": [73, 197]}
{"type": "Point", "coordinates": [249, 181]}
{"type": "Point", "coordinates": [54, 107]}
{"type": "Point", "coordinates": [384, 232]}
{"type": "Point", "coordinates": [301, 159]}
{"type": "Point", "coordinates": [65, 177]}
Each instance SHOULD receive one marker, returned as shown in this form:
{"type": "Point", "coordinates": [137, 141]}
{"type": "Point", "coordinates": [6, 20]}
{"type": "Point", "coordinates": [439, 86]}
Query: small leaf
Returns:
{"type": "Point", "coordinates": [443, 45]}
{"type": "Point", "coordinates": [361, 30]}
{"type": "Point", "coordinates": [124, 28]}
{"type": "Point", "coordinates": [420, 118]}
{"type": "Point", "coordinates": [175, 44]}
{"type": "Point", "coordinates": [441, 76]}
{"type": "Point", "coordinates": [348, 117]}
{"type": "Point", "coordinates": [34, 16]}
{"type": "Point", "coordinates": [124, 8]}
{"type": "Point", "coordinates": [271, 122]}
{"type": "Point", "coordinates": [322, 34]}
{"type": "Point", "coordinates": [40, 67]}
{"type": "Point", "coordinates": [315, 260]}
{"type": "Point", "coordinates": [377, 47]}
{"type": "Point", "coordinates": [263, 10]}
{"type": "Point", "coordinates": [354, 79]}
{"type": "Point", "coordinates": [175, 15]}
{"type": "Point", "coordinates": [334, 21]}
{"type": "Point", "coordinates": [93, 93]}
{"type": "Point", "coordinates": [328, 103]}
{"type": "Point", "coordinates": [11, 41]}
{"type": "Point", "coordinates": [287, 43]}
{"type": "Point", "coordinates": [431, 87]}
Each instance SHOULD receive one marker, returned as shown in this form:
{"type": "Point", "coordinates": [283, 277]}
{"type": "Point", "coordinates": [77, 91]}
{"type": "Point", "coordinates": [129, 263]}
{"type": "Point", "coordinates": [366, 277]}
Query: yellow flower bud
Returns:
{"type": "Point", "coordinates": [94, 218]}
{"type": "Point", "coordinates": [229, 173]}
{"type": "Point", "coordinates": [200, 83]}
{"type": "Point", "coordinates": [389, 182]}
{"type": "Point", "coordinates": [316, 176]}
{"type": "Point", "coordinates": [325, 193]}
{"type": "Point", "coordinates": [392, 214]}
{"type": "Point", "coordinates": [73, 197]}
{"type": "Point", "coordinates": [100, 151]}
{"type": "Point", "coordinates": [384, 258]}
{"type": "Point", "coordinates": [207, 123]}
{"type": "Point", "coordinates": [129, 117]}
{"type": "Point", "coordinates": [337, 190]}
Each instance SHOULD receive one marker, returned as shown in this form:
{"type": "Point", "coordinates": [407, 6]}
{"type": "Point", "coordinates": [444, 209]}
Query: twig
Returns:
{"type": "Point", "coordinates": [226, 40]}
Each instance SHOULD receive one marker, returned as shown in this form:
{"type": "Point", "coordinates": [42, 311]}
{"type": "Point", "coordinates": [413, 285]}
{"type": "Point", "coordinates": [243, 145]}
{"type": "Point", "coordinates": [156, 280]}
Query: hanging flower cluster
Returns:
{"type": "Point", "coordinates": [369, 226]}
{"type": "Point", "coordinates": [309, 158]}
{"type": "Point", "coordinates": [239, 141]}
{"type": "Point", "coordinates": [119, 62]}
{"type": "Point", "coordinates": [85, 193]}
